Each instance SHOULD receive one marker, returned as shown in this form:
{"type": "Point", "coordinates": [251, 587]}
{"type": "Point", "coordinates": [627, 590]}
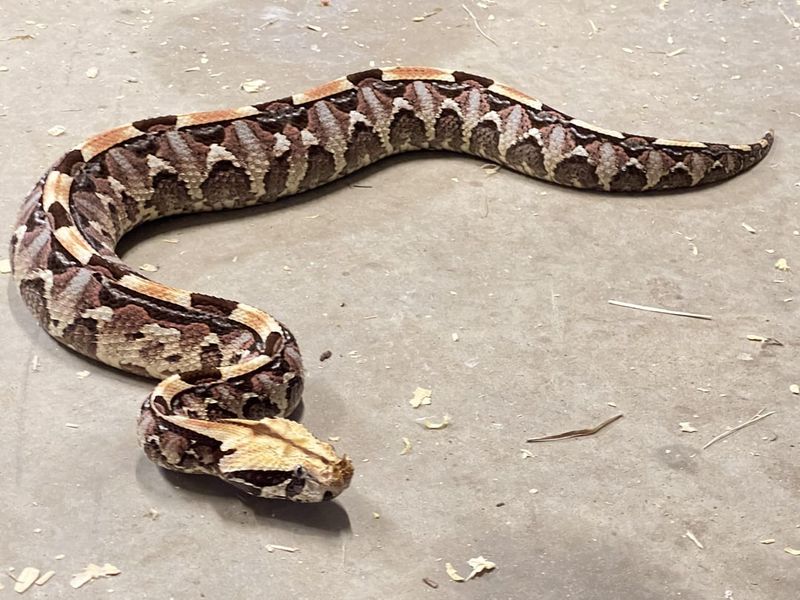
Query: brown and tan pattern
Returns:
{"type": "Point", "coordinates": [231, 372]}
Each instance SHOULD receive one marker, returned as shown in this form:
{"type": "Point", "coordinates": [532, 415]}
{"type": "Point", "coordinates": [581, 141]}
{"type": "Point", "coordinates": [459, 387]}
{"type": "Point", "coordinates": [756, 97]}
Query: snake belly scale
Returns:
{"type": "Point", "coordinates": [230, 373]}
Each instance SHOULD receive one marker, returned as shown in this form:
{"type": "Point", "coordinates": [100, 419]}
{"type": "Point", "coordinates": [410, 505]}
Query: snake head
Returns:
{"type": "Point", "coordinates": [271, 458]}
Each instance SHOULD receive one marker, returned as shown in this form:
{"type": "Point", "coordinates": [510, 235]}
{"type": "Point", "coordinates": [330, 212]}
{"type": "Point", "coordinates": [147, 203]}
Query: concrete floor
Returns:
{"type": "Point", "coordinates": [384, 267]}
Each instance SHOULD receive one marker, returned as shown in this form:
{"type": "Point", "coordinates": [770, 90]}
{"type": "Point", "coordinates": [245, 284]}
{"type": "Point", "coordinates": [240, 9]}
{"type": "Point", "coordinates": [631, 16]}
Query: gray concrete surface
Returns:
{"type": "Point", "coordinates": [384, 267]}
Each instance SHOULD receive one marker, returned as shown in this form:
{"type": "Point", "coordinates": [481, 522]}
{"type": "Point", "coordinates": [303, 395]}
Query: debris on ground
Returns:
{"type": "Point", "coordinates": [664, 311]}
{"type": "Point", "coordinates": [479, 565]}
{"type": "Point", "coordinates": [427, 423]}
{"type": "Point", "coordinates": [25, 579]}
{"type": "Point", "coordinates": [754, 419]}
{"type": "Point", "coordinates": [422, 397]}
{"type": "Point", "coordinates": [576, 432]}
{"type": "Point", "coordinates": [273, 547]}
{"type": "Point", "coordinates": [92, 572]}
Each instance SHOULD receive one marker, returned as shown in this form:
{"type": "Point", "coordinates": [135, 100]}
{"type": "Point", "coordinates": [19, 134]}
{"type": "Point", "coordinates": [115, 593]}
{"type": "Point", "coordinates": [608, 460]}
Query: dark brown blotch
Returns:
{"type": "Point", "coordinates": [163, 123]}
{"type": "Point", "coordinates": [460, 76]}
{"type": "Point", "coordinates": [356, 78]}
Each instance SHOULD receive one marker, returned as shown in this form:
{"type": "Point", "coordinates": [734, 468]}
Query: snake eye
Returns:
{"type": "Point", "coordinates": [299, 472]}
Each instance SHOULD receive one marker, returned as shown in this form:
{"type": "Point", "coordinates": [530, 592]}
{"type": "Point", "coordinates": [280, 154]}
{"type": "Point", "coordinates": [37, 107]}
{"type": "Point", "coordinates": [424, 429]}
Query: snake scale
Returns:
{"type": "Point", "coordinates": [230, 373]}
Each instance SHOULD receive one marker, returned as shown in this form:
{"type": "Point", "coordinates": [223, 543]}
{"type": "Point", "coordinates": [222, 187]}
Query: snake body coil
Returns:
{"type": "Point", "coordinates": [231, 372]}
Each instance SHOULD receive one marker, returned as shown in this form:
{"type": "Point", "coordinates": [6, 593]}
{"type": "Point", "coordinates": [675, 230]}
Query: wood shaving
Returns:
{"type": "Point", "coordinates": [376, 515]}
{"type": "Point", "coordinates": [273, 547]}
{"type": "Point", "coordinates": [686, 427]}
{"type": "Point", "coordinates": [92, 572]}
{"type": "Point", "coordinates": [663, 5]}
{"type": "Point", "coordinates": [754, 419]}
{"type": "Point", "coordinates": [452, 573]}
{"type": "Point", "coordinates": [428, 424]}
{"type": "Point", "coordinates": [479, 565]}
{"type": "Point", "coordinates": [767, 541]}
{"type": "Point", "coordinates": [526, 453]}
{"type": "Point", "coordinates": [694, 539]}
{"type": "Point", "coordinates": [782, 265]}
{"type": "Point", "coordinates": [788, 550]}
{"type": "Point", "coordinates": [748, 228]}
{"type": "Point", "coordinates": [422, 397]}
{"type": "Point", "coordinates": [576, 432]}
{"type": "Point", "coordinates": [251, 86]}
{"type": "Point", "coordinates": [313, 27]}
{"type": "Point", "coordinates": [45, 577]}
{"type": "Point", "coordinates": [676, 52]}
{"type": "Point", "coordinates": [430, 582]}
{"type": "Point", "coordinates": [5, 266]}
{"type": "Point", "coordinates": [334, 438]}
{"type": "Point", "coordinates": [82, 374]}
{"type": "Point", "coordinates": [92, 72]}
{"type": "Point", "coordinates": [56, 130]}
{"type": "Point", "coordinates": [25, 579]}
{"type": "Point", "coordinates": [148, 267]}
{"type": "Point", "coordinates": [665, 311]}
{"type": "Point", "coordinates": [406, 447]}
{"type": "Point", "coordinates": [794, 388]}
{"type": "Point", "coordinates": [153, 514]}
{"type": "Point", "coordinates": [454, 336]}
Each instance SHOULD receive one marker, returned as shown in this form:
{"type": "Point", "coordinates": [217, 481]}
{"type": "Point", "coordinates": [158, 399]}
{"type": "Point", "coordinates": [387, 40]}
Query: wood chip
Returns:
{"type": "Point", "coordinates": [273, 547]}
{"type": "Point", "coordinates": [754, 419]}
{"type": "Point", "coordinates": [45, 577]}
{"type": "Point", "coordinates": [686, 427]}
{"type": "Point", "coordinates": [767, 541]}
{"type": "Point", "coordinates": [25, 579]}
{"type": "Point", "coordinates": [82, 374]}
{"type": "Point", "coordinates": [422, 397]}
{"type": "Point", "coordinates": [479, 565]}
{"type": "Point", "coordinates": [452, 573]}
{"type": "Point", "coordinates": [56, 130]}
{"type": "Point", "coordinates": [576, 432]}
{"type": "Point", "coordinates": [665, 311]}
{"type": "Point", "coordinates": [428, 424]}
{"type": "Point", "coordinates": [676, 52]}
{"type": "Point", "coordinates": [92, 572]}
{"type": "Point", "coordinates": [313, 27]}
{"type": "Point", "coordinates": [406, 446]}
{"type": "Point", "coordinates": [788, 550]}
{"type": "Point", "coordinates": [92, 72]}
{"type": "Point", "coordinates": [5, 266]}
{"type": "Point", "coordinates": [782, 265]}
{"type": "Point", "coordinates": [748, 228]}
{"type": "Point", "coordinates": [694, 539]}
{"type": "Point", "coordinates": [148, 267]}
{"type": "Point", "coordinates": [251, 86]}
{"type": "Point", "coordinates": [794, 388]}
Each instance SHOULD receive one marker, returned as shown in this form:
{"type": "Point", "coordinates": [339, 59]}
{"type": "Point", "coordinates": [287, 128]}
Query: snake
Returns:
{"type": "Point", "coordinates": [229, 375]}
